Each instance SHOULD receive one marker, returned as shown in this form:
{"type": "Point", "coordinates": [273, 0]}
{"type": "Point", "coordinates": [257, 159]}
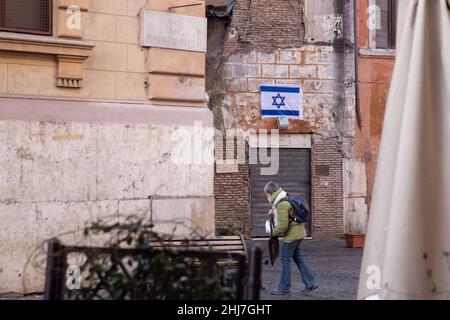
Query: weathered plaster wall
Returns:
{"type": "Point", "coordinates": [375, 76]}
{"type": "Point", "coordinates": [57, 176]}
{"type": "Point", "coordinates": [324, 72]}
{"type": "Point", "coordinates": [104, 150]}
{"type": "Point", "coordinates": [375, 69]}
{"type": "Point", "coordinates": [312, 47]}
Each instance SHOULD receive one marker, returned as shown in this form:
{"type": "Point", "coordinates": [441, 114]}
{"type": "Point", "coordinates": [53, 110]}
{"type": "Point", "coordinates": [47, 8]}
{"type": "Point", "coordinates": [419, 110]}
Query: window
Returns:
{"type": "Point", "coordinates": [386, 31]}
{"type": "Point", "coordinates": [26, 16]}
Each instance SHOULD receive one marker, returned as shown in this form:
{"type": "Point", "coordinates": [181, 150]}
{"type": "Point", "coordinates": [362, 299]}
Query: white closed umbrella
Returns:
{"type": "Point", "coordinates": [407, 249]}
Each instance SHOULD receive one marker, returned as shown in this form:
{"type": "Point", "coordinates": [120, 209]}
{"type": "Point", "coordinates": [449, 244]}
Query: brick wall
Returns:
{"type": "Point", "coordinates": [265, 25]}
{"type": "Point", "coordinates": [232, 196]}
{"type": "Point", "coordinates": [232, 193]}
{"type": "Point", "coordinates": [325, 71]}
{"type": "Point", "coordinates": [327, 188]}
{"type": "Point", "coordinates": [232, 189]}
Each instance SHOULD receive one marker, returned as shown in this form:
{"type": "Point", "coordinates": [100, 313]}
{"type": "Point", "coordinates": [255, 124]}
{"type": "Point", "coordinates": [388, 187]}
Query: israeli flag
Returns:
{"type": "Point", "coordinates": [281, 101]}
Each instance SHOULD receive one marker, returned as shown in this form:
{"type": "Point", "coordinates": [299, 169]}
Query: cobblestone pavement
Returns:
{"type": "Point", "coordinates": [335, 266]}
{"type": "Point", "coordinates": [336, 269]}
{"type": "Point", "coordinates": [14, 296]}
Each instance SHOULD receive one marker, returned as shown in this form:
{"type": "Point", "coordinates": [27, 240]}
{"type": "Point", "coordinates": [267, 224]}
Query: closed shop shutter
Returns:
{"type": "Point", "coordinates": [294, 176]}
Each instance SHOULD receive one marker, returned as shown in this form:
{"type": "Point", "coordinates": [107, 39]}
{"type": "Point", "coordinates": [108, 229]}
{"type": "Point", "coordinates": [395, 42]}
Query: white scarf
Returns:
{"type": "Point", "coordinates": [283, 194]}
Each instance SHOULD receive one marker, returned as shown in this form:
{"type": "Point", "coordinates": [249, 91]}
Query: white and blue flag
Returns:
{"type": "Point", "coordinates": [281, 101]}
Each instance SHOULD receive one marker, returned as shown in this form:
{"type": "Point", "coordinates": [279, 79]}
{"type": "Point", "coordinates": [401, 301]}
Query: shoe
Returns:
{"type": "Point", "coordinates": [279, 292]}
{"type": "Point", "coordinates": [306, 290]}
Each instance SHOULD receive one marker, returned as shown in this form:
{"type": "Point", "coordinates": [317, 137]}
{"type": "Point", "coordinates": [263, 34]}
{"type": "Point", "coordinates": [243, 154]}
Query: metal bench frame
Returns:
{"type": "Point", "coordinates": [248, 269]}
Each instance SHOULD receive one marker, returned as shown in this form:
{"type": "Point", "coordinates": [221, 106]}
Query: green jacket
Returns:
{"type": "Point", "coordinates": [291, 231]}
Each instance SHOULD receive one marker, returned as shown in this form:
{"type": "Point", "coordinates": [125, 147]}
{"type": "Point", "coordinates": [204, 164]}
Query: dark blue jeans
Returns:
{"type": "Point", "coordinates": [291, 250]}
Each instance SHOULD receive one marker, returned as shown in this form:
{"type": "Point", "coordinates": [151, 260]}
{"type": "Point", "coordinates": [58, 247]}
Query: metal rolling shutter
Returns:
{"type": "Point", "coordinates": [294, 176]}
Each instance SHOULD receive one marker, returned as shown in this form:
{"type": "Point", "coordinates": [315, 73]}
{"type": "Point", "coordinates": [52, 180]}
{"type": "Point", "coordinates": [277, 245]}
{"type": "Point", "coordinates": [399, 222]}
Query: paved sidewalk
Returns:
{"type": "Point", "coordinates": [14, 296]}
{"type": "Point", "coordinates": [336, 269]}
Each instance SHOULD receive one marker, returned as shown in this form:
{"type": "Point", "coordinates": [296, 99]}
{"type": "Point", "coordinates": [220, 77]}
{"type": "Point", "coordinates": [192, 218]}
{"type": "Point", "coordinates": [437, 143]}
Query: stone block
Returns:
{"type": "Point", "coordinates": [303, 72]}
{"type": "Point", "coordinates": [251, 57]}
{"type": "Point", "coordinates": [99, 27]}
{"type": "Point", "coordinates": [99, 84]}
{"type": "Point", "coordinates": [109, 6]}
{"type": "Point", "coordinates": [108, 56]}
{"type": "Point", "coordinates": [184, 217]}
{"type": "Point", "coordinates": [56, 161]}
{"type": "Point", "coordinates": [126, 161]}
{"type": "Point", "coordinates": [322, 86]}
{"type": "Point", "coordinates": [275, 71]}
{"type": "Point", "coordinates": [127, 29]}
{"type": "Point", "coordinates": [130, 86]}
{"type": "Point", "coordinates": [176, 62]}
{"type": "Point", "coordinates": [33, 80]}
{"type": "Point", "coordinates": [266, 57]}
{"type": "Point", "coordinates": [288, 57]}
{"type": "Point", "coordinates": [134, 7]}
{"type": "Point", "coordinates": [355, 216]}
{"type": "Point", "coordinates": [135, 59]}
{"type": "Point", "coordinates": [254, 84]}
{"type": "Point", "coordinates": [335, 72]}
{"type": "Point", "coordinates": [247, 70]}
{"type": "Point", "coordinates": [17, 242]}
{"type": "Point", "coordinates": [3, 77]}
{"type": "Point", "coordinates": [138, 208]}
{"type": "Point", "coordinates": [323, 57]}
{"type": "Point", "coordinates": [228, 70]}
{"type": "Point", "coordinates": [289, 81]}
{"type": "Point", "coordinates": [176, 88]}
{"type": "Point", "coordinates": [237, 84]}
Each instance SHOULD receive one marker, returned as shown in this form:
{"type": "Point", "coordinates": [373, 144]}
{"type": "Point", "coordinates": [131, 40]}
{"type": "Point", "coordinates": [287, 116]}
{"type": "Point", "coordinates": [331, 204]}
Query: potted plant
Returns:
{"type": "Point", "coordinates": [355, 227]}
{"type": "Point", "coordinates": [354, 240]}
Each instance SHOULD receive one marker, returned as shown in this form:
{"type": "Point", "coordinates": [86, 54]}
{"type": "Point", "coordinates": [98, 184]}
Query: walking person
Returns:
{"type": "Point", "coordinates": [293, 234]}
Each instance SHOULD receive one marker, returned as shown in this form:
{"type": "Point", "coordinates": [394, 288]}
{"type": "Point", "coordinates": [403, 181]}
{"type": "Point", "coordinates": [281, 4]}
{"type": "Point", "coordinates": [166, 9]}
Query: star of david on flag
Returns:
{"type": "Point", "coordinates": [281, 101]}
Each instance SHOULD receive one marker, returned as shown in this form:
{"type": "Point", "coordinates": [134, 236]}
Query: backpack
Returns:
{"type": "Point", "coordinates": [300, 207]}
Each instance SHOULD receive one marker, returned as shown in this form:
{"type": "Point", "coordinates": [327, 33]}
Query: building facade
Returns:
{"type": "Point", "coordinates": [376, 37]}
{"type": "Point", "coordinates": [307, 43]}
{"type": "Point", "coordinates": [91, 108]}
{"type": "Point", "coordinates": [342, 54]}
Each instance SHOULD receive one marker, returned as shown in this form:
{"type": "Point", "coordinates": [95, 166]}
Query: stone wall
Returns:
{"type": "Point", "coordinates": [58, 176]}
{"type": "Point", "coordinates": [118, 68]}
{"type": "Point", "coordinates": [311, 48]}
{"type": "Point", "coordinates": [105, 150]}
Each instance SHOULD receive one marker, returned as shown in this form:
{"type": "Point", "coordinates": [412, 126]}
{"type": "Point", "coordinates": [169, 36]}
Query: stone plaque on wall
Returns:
{"type": "Point", "coordinates": [323, 170]}
{"type": "Point", "coordinates": [173, 31]}
{"type": "Point", "coordinates": [227, 167]}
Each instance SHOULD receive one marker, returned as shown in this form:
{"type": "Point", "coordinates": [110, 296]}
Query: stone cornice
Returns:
{"type": "Point", "coordinates": [43, 44]}
{"type": "Point", "coordinates": [70, 54]}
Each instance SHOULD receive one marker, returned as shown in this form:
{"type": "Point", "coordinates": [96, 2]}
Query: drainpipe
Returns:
{"type": "Point", "coordinates": [359, 115]}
